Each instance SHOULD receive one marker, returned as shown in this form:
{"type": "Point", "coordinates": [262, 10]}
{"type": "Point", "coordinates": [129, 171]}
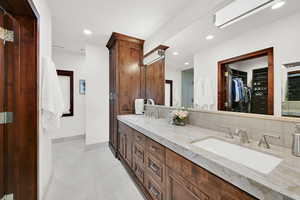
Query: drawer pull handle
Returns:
{"type": "Point", "coordinates": [154, 191]}
{"type": "Point", "coordinates": [154, 167]}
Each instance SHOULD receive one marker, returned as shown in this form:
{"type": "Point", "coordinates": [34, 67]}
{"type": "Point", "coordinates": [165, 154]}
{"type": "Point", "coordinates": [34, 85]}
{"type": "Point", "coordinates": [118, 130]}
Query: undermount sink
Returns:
{"type": "Point", "coordinates": [258, 161]}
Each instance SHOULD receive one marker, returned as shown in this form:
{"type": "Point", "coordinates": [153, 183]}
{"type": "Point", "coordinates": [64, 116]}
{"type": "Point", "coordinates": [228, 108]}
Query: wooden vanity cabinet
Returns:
{"type": "Point", "coordinates": [195, 183]}
{"type": "Point", "coordinates": [162, 174]}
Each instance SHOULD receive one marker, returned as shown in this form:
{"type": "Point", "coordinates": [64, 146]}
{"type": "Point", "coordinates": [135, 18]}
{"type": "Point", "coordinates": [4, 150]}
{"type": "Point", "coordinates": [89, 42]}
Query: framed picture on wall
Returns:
{"type": "Point", "coordinates": [82, 87]}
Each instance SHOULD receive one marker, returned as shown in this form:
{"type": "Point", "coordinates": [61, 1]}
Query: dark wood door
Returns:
{"type": "Point", "coordinates": [21, 99]}
{"type": "Point", "coordinates": [2, 88]}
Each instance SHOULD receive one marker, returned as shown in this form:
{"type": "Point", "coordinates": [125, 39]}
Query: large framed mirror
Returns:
{"type": "Point", "coordinates": [291, 90]}
{"type": "Point", "coordinates": [246, 83]}
{"type": "Point", "coordinates": [66, 79]}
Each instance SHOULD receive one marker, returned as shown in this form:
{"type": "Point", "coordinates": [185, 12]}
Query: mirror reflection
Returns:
{"type": "Point", "coordinates": [291, 90]}
{"type": "Point", "coordinates": [247, 86]}
{"type": "Point", "coordinates": [236, 68]}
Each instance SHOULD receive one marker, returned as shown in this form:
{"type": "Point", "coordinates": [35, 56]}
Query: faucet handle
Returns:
{"type": "Point", "coordinates": [264, 141]}
{"type": "Point", "coordinates": [243, 136]}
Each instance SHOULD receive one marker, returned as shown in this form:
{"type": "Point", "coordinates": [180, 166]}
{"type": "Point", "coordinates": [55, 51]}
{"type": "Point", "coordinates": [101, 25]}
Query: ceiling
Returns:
{"type": "Point", "coordinates": [180, 24]}
{"type": "Point", "coordinates": [138, 18]}
{"type": "Point", "coordinates": [191, 40]}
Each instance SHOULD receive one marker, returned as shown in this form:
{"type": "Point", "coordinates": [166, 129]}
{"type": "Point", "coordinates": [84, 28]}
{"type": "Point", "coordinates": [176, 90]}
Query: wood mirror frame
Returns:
{"type": "Point", "coordinates": [69, 74]}
{"type": "Point", "coordinates": [269, 52]}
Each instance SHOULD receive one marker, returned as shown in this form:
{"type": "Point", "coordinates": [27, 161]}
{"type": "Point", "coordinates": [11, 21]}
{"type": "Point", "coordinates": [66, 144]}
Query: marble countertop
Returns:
{"type": "Point", "coordinates": [283, 183]}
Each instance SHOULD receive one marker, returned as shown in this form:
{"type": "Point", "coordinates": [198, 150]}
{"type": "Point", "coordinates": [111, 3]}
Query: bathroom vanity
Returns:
{"type": "Point", "coordinates": [167, 163]}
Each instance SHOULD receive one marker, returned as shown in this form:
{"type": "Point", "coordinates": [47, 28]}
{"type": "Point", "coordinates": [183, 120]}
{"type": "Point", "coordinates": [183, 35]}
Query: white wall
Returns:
{"type": "Point", "coordinates": [75, 125]}
{"type": "Point", "coordinates": [97, 94]}
{"type": "Point", "coordinates": [174, 75]}
{"type": "Point", "coordinates": [283, 35]}
{"type": "Point", "coordinates": [45, 152]}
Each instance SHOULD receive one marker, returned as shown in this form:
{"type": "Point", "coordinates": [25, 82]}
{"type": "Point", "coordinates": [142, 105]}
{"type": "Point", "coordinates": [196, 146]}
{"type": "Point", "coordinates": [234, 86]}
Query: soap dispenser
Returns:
{"type": "Point", "coordinates": [296, 142]}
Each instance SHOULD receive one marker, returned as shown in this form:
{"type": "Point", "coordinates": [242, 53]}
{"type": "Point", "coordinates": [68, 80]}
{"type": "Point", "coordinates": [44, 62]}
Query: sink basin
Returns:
{"type": "Point", "coordinates": [258, 161]}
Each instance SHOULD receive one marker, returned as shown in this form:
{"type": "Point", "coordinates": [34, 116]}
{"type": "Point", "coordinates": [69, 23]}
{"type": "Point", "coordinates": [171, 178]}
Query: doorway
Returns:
{"type": "Point", "coordinates": [245, 84]}
{"type": "Point", "coordinates": [18, 100]}
{"type": "Point", "coordinates": [169, 93]}
{"type": "Point", "coordinates": [188, 88]}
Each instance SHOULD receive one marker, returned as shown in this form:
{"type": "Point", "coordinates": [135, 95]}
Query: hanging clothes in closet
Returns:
{"type": "Point", "coordinates": [241, 96]}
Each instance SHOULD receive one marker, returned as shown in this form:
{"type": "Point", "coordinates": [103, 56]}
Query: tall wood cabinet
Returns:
{"type": "Point", "coordinates": [155, 77]}
{"type": "Point", "coordinates": [126, 79]}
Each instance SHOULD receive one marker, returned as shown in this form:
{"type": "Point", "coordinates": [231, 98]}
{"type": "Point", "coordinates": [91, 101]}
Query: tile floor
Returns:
{"type": "Point", "coordinates": [81, 174]}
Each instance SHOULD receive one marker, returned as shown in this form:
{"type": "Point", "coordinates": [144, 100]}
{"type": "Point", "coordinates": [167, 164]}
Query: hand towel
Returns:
{"type": "Point", "coordinates": [53, 104]}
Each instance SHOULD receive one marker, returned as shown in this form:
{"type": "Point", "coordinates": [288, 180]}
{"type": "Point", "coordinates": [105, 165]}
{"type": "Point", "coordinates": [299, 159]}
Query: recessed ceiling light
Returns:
{"type": "Point", "coordinates": [87, 32]}
{"type": "Point", "coordinates": [175, 53]}
{"type": "Point", "coordinates": [278, 5]}
{"type": "Point", "coordinates": [209, 37]}
{"type": "Point", "coordinates": [186, 63]}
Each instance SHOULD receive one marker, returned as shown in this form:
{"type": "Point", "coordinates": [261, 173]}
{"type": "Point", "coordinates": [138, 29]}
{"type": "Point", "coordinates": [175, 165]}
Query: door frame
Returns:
{"type": "Point", "coordinates": [222, 81]}
{"type": "Point", "coordinates": [170, 82]}
{"type": "Point", "coordinates": [26, 105]}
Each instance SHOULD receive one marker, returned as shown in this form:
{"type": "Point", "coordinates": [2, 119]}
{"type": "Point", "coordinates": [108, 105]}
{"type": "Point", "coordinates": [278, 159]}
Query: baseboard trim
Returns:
{"type": "Point", "coordinates": [68, 139]}
{"type": "Point", "coordinates": [90, 147]}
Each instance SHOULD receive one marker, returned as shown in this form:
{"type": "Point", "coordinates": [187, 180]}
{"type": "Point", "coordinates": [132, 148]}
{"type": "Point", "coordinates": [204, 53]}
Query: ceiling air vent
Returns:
{"type": "Point", "coordinates": [239, 9]}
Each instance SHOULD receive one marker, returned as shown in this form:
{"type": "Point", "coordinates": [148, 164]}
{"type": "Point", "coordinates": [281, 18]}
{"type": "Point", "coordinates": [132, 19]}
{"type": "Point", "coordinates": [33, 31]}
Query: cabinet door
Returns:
{"type": "Point", "coordinates": [129, 76]}
{"type": "Point", "coordinates": [180, 189]}
{"type": "Point", "coordinates": [155, 82]}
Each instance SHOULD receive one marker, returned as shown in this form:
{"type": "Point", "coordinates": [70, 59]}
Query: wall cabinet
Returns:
{"type": "Point", "coordinates": [126, 80]}
{"type": "Point", "coordinates": [164, 175]}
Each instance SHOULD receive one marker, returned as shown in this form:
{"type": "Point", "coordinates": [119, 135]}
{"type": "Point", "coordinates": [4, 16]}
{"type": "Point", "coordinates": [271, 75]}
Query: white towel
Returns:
{"type": "Point", "coordinates": [205, 93]}
{"type": "Point", "coordinates": [52, 98]}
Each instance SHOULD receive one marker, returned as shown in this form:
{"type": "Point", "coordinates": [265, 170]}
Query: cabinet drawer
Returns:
{"type": "Point", "coordinates": [139, 138]}
{"type": "Point", "coordinates": [155, 169]}
{"type": "Point", "coordinates": [156, 150]}
{"type": "Point", "coordinates": [154, 189]}
{"type": "Point", "coordinates": [139, 172]}
{"type": "Point", "coordinates": [139, 153]}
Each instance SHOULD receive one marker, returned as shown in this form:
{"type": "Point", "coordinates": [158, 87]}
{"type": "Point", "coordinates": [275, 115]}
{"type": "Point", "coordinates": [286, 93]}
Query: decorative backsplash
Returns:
{"type": "Point", "coordinates": [256, 125]}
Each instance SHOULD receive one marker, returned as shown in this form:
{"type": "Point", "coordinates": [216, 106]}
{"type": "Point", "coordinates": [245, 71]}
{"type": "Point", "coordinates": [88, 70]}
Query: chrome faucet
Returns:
{"type": "Point", "coordinates": [242, 133]}
{"type": "Point", "coordinates": [264, 141]}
